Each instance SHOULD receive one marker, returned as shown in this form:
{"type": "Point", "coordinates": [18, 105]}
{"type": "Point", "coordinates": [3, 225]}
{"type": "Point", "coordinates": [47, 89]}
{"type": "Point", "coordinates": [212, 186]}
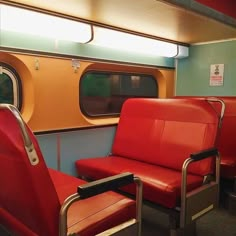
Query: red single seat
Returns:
{"type": "Point", "coordinates": [35, 200]}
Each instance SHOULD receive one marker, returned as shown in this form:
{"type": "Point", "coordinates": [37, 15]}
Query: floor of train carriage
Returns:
{"type": "Point", "coordinates": [218, 222]}
{"type": "Point", "coordinates": [155, 223]}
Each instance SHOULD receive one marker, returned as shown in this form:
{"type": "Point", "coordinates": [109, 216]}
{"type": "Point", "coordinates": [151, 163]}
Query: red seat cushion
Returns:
{"type": "Point", "coordinates": [161, 184]}
{"type": "Point", "coordinates": [96, 214]}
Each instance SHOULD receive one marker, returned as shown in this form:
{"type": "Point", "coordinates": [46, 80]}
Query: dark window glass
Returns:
{"type": "Point", "coordinates": [103, 93]}
{"type": "Point", "coordinates": [6, 89]}
{"type": "Point", "coordinates": [9, 85]}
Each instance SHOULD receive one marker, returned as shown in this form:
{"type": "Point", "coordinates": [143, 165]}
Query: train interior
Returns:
{"type": "Point", "coordinates": [68, 66]}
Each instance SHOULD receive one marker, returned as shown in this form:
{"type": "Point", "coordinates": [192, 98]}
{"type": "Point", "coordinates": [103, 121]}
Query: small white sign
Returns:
{"type": "Point", "coordinates": [217, 75]}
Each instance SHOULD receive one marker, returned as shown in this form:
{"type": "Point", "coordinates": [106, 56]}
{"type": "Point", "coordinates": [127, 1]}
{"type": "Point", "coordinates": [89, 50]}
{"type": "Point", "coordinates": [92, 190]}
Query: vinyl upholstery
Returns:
{"type": "Point", "coordinates": [31, 196]}
{"type": "Point", "coordinates": [225, 141]}
{"type": "Point", "coordinates": [153, 139]}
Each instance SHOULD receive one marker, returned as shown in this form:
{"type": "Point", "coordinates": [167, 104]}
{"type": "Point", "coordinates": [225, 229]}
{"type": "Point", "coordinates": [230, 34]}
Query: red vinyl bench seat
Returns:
{"type": "Point", "coordinates": [154, 138]}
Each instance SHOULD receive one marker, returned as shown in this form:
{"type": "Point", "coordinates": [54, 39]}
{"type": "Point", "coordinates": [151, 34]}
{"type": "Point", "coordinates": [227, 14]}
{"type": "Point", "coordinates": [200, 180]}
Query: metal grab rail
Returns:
{"type": "Point", "coordinates": [29, 146]}
{"type": "Point", "coordinates": [221, 115]}
{"type": "Point", "coordinates": [183, 213]}
{"type": "Point", "coordinates": [76, 197]}
{"type": "Point", "coordinates": [199, 156]}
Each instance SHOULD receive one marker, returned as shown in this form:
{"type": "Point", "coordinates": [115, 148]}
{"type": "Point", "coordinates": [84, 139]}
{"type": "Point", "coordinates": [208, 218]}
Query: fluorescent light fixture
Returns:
{"type": "Point", "coordinates": [35, 23]}
{"type": "Point", "coordinates": [29, 22]}
{"type": "Point", "coordinates": [133, 43]}
{"type": "Point", "coordinates": [182, 52]}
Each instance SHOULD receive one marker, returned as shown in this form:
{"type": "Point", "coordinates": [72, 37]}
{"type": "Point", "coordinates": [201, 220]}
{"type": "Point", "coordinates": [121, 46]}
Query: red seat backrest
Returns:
{"type": "Point", "coordinates": [166, 131]}
{"type": "Point", "coordinates": [225, 142]}
{"type": "Point", "coordinates": [36, 205]}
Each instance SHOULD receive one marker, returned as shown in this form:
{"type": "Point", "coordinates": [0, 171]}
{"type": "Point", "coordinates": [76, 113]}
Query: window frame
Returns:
{"type": "Point", "coordinates": [16, 83]}
{"type": "Point", "coordinates": [112, 114]}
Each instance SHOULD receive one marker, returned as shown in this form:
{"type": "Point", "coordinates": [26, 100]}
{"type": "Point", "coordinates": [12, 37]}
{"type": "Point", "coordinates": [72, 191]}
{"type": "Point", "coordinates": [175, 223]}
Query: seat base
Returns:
{"type": "Point", "coordinates": [231, 202]}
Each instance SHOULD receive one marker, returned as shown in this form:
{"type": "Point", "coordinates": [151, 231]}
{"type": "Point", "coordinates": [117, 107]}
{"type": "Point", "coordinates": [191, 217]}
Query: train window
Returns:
{"type": "Point", "coordinates": [103, 93]}
{"type": "Point", "coordinates": [9, 85]}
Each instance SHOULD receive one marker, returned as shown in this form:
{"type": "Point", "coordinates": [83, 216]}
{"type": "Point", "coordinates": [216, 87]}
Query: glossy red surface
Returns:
{"type": "Point", "coordinates": [31, 195]}
{"type": "Point", "coordinates": [161, 184]}
{"type": "Point", "coordinates": [153, 139]}
{"type": "Point", "coordinates": [226, 7]}
{"type": "Point", "coordinates": [226, 139]}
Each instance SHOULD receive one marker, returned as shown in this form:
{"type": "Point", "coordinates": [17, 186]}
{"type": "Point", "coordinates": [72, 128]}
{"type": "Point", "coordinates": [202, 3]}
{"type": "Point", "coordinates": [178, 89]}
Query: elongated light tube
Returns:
{"type": "Point", "coordinates": [34, 23]}
{"type": "Point", "coordinates": [20, 20]}
{"type": "Point", "coordinates": [132, 43]}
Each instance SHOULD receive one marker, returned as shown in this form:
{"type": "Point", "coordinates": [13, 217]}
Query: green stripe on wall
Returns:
{"type": "Point", "coordinates": [30, 42]}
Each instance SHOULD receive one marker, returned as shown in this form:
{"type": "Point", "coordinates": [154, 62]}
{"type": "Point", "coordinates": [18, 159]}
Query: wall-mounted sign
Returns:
{"type": "Point", "coordinates": [216, 75]}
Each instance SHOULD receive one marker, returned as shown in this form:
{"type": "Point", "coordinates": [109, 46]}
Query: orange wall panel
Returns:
{"type": "Point", "coordinates": [50, 89]}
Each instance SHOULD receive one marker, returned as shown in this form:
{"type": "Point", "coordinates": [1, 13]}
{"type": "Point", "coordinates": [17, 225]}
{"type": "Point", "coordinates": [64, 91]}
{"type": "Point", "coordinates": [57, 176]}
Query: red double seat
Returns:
{"type": "Point", "coordinates": [162, 141]}
{"type": "Point", "coordinates": [37, 201]}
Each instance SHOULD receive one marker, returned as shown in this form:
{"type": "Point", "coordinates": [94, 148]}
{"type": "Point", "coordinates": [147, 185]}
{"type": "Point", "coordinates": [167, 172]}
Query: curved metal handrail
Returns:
{"type": "Point", "coordinates": [221, 115]}
{"type": "Point", "coordinates": [76, 197]}
{"type": "Point", "coordinates": [29, 147]}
